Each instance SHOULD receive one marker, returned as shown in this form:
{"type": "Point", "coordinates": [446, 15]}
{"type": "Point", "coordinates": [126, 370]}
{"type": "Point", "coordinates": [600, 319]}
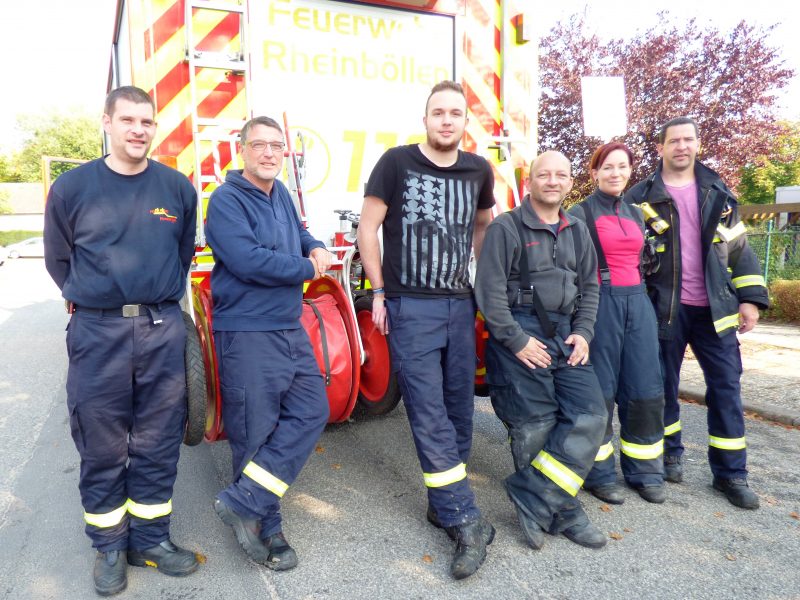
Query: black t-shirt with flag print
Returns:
{"type": "Point", "coordinates": [427, 232]}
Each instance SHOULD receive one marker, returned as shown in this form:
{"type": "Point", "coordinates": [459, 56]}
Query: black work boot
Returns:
{"type": "Point", "coordinates": [433, 519]}
{"type": "Point", "coordinates": [247, 531]}
{"type": "Point", "coordinates": [531, 530]}
{"type": "Point", "coordinates": [471, 541]}
{"type": "Point", "coordinates": [656, 494]}
{"type": "Point", "coordinates": [607, 492]}
{"type": "Point", "coordinates": [673, 469]}
{"type": "Point", "coordinates": [737, 492]}
{"type": "Point", "coordinates": [585, 534]}
{"type": "Point", "coordinates": [168, 558]}
{"type": "Point", "coordinates": [281, 556]}
{"type": "Point", "coordinates": [110, 575]}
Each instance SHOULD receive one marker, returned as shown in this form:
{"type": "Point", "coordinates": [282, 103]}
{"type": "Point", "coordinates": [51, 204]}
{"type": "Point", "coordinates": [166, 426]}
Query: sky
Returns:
{"type": "Point", "coordinates": [55, 53]}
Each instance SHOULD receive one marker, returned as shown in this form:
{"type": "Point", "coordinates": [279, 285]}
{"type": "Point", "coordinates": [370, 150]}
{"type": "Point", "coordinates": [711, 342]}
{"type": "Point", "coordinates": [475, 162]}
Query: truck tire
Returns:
{"type": "Point", "coordinates": [372, 403]}
{"type": "Point", "coordinates": [195, 386]}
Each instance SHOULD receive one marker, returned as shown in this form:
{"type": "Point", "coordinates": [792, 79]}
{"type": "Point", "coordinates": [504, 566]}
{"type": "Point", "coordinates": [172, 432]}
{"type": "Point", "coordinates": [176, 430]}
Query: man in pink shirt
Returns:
{"type": "Point", "coordinates": [708, 286]}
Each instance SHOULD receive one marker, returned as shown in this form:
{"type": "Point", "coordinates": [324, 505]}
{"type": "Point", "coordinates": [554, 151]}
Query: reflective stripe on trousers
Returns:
{"type": "Point", "coordinates": [265, 479]}
{"type": "Point", "coordinates": [642, 451]}
{"type": "Point", "coordinates": [142, 511]}
{"type": "Point", "coordinates": [727, 443]}
{"type": "Point", "coordinates": [604, 452]}
{"type": "Point", "coordinates": [562, 476]}
{"type": "Point", "coordinates": [457, 473]}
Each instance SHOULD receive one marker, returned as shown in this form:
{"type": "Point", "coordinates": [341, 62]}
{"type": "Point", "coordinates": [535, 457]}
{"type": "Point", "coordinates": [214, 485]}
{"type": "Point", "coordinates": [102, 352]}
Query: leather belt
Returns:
{"type": "Point", "coordinates": [128, 310]}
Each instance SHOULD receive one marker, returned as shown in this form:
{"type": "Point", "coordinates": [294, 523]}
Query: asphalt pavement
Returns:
{"type": "Point", "coordinates": [356, 513]}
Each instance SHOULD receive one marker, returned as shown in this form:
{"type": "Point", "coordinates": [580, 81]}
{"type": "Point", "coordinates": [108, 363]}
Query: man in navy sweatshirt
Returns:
{"type": "Point", "coordinates": [274, 403]}
{"type": "Point", "coordinates": [118, 241]}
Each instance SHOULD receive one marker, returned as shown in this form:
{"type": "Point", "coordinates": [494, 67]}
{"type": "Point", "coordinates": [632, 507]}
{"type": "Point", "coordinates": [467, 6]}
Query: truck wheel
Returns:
{"type": "Point", "coordinates": [195, 386]}
{"type": "Point", "coordinates": [378, 392]}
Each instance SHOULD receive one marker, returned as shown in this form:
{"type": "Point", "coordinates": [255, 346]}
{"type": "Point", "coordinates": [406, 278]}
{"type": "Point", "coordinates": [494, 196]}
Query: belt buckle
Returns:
{"type": "Point", "coordinates": [524, 297]}
{"type": "Point", "coordinates": [131, 310]}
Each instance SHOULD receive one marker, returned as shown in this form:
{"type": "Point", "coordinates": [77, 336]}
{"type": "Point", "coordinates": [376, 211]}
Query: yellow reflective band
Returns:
{"type": "Point", "coordinates": [716, 239]}
{"type": "Point", "coordinates": [604, 452]}
{"type": "Point", "coordinates": [726, 323]}
{"type": "Point", "coordinates": [727, 443]}
{"type": "Point", "coordinates": [435, 480]}
{"type": "Point", "coordinates": [745, 280]}
{"type": "Point", "coordinates": [265, 479]}
{"type": "Point", "coordinates": [108, 519]}
{"type": "Point", "coordinates": [642, 451]}
{"type": "Point", "coordinates": [671, 429]}
{"type": "Point", "coordinates": [149, 511]}
{"type": "Point", "coordinates": [562, 476]}
{"type": "Point", "coordinates": [728, 235]}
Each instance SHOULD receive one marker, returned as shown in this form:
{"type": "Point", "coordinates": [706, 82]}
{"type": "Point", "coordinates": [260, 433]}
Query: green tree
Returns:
{"type": "Point", "coordinates": [5, 207]}
{"type": "Point", "coordinates": [725, 79]}
{"type": "Point", "coordinates": [5, 168]}
{"type": "Point", "coordinates": [780, 167]}
{"type": "Point", "coordinates": [72, 135]}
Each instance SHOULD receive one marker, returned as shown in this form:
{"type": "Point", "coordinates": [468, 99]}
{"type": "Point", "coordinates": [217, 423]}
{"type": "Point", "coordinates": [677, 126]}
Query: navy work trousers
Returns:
{"type": "Point", "coordinates": [432, 341]}
{"type": "Point", "coordinates": [126, 394]}
{"type": "Point", "coordinates": [721, 362]}
{"type": "Point", "coordinates": [555, 417]}
{"type": "Point", "coordinates": [624, 353]}
{"type": "Point", "coordinates": [274, 408]}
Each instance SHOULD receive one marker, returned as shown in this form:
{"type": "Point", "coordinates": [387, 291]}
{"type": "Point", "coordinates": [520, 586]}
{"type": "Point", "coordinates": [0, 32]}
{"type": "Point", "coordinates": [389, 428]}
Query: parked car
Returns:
{"type": "Point", "coordinates": [3, 255]}
{"type": "Point", "coordinates": [30, 248]}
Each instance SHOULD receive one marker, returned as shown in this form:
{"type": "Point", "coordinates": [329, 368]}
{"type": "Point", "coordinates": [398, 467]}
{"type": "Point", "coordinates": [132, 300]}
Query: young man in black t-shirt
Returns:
{"type": "Point", "coordinates": [434, 202]}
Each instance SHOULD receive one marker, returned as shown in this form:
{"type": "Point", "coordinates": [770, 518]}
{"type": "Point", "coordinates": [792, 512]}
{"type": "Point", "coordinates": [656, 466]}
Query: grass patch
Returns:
{"type": "Point", "coordinates": [12, 237]}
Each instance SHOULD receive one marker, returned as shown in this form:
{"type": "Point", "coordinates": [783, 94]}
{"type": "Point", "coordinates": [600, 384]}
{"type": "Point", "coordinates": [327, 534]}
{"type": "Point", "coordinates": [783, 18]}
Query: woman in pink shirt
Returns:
{"type": "Point", "coordinates": [624, 350]}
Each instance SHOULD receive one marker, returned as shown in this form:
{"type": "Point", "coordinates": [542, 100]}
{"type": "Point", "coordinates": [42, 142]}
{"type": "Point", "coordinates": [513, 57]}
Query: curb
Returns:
{"type": "Point", "coordinates": [769, 412]}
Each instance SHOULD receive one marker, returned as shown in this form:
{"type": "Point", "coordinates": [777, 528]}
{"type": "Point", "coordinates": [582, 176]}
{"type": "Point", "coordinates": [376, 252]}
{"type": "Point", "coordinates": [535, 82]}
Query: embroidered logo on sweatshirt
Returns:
{"type": "Point", "coordinates": [163, 215]}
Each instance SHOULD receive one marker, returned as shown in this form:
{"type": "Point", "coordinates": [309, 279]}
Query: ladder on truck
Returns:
{"type": "Point", "coordinates": [209, 133]}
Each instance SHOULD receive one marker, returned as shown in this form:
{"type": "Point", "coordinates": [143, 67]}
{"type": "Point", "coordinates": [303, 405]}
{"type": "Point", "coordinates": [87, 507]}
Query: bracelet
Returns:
{"type": "Point", "coordinates": [377, 290]}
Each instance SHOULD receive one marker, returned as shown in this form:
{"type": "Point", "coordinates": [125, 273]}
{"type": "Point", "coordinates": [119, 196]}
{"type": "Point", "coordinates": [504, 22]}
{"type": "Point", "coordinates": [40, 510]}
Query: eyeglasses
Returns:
{"type": "Point", "coordinates": [261, 145]}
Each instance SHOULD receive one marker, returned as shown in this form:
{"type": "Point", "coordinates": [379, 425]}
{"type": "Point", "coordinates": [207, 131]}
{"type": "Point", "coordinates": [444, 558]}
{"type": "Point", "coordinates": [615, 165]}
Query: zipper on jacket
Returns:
{"type": "Point", "coordinates": [675, 264]}
{"type": "Point", "coordinates": [555, 265]}
{"type": "Point", "coordinates": [619, 219]}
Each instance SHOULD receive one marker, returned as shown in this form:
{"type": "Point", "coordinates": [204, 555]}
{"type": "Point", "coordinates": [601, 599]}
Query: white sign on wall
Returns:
{"type": "Point", "coordinates": [604, 114]}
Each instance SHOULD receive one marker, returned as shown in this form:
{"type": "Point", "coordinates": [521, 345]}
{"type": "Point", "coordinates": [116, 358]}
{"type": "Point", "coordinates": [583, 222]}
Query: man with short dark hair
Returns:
{"type": "Point", "coordinates": [537, 288]}
{"type": "Point", "coordinates": [434, 202]}
{"type": "Point", "coordinates": [273, 397]}
{"type": "Point", "coordinates": [708, 286]}
{"type": "Point", "coordinates": [119, 237]}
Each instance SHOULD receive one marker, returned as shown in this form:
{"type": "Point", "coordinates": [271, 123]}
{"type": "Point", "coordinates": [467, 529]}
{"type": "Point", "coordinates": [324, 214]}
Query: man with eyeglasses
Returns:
{"type": "Point", "coordinates": [274, 403]}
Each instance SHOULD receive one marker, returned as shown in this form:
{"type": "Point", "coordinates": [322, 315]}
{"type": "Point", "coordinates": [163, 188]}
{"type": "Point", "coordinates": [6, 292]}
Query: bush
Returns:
{"type": "Point", "coordinates": [12, 237]}
{"type": "Point", "coordinates": [785, 296]}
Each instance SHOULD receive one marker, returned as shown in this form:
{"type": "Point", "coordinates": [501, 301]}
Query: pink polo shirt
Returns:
{"type": "Point", "coordinates": [693, 280]}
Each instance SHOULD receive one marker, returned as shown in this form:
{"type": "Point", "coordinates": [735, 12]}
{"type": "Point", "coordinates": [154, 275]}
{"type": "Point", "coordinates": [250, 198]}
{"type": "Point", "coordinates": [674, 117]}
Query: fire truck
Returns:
{"type": "Point", "coordinates": [350, 80]}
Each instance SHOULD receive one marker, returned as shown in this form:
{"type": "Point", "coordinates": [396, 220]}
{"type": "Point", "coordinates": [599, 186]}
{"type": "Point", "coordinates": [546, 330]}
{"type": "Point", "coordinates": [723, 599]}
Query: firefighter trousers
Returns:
{"type": "Point", "coordinates": [432, 341]}
{"type": "Point", "coordinates": [555, 418]}
{"type": "Point", "coordinates": [126, 395]}
{"type": "Point", "coordinates": [274, 409]}
{"type": "Point", "coordinates": [721, 362]}
{"type": "Point", "coordinates": [624, 353]}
